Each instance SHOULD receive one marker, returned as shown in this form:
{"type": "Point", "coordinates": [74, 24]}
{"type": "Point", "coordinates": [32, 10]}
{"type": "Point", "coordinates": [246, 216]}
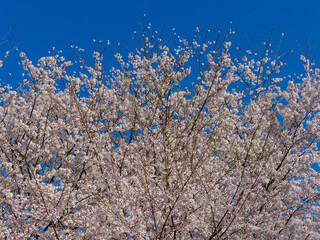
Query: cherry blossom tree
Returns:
{"type": "Point", "coordinates": [133, 153]}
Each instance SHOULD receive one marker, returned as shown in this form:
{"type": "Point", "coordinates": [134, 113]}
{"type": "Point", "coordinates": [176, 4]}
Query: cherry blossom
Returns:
{"type": "Point", "coordinates": [132, 153]}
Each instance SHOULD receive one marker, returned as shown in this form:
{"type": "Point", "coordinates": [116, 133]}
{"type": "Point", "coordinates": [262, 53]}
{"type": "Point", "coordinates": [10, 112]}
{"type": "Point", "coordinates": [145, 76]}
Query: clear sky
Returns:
{"type": "Point", "coordinates": [39, 25]}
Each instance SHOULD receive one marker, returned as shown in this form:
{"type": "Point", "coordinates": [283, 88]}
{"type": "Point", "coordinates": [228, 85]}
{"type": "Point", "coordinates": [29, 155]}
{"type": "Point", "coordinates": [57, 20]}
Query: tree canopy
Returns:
{"type": "Point", "coordinates": [133, 153]}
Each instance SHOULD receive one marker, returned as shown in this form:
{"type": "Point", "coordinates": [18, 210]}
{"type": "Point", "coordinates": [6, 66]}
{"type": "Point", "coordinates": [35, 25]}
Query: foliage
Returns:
{"type": "Point", "coordinates": [133, 154]}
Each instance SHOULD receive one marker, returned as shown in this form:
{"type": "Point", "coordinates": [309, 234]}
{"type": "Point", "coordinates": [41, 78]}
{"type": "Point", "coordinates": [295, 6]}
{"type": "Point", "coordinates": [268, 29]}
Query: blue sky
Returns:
{"type": "Point", "coordinates": [39, 25]}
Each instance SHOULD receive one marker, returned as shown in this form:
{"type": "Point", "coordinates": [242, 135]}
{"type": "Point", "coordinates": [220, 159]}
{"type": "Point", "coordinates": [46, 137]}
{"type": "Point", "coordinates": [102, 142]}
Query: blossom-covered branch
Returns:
{"type": "Point", "coordinates": [132, 153]}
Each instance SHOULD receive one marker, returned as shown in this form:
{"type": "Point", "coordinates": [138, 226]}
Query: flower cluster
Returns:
{"type": "Point", "coordinates": [135, 154]}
